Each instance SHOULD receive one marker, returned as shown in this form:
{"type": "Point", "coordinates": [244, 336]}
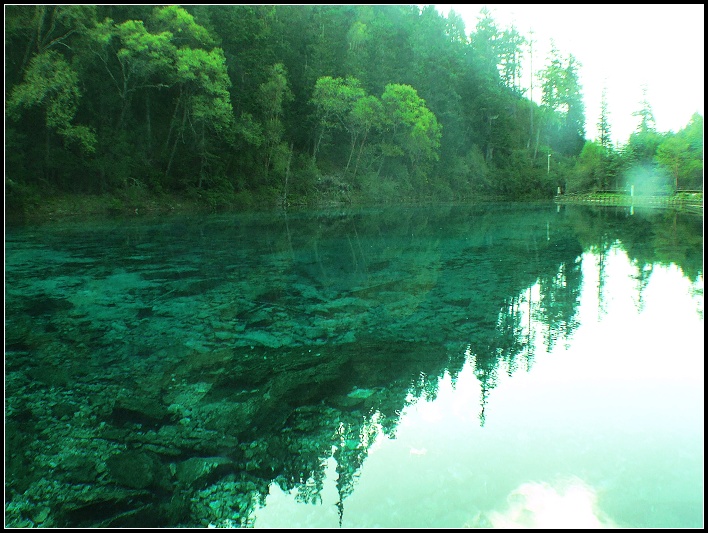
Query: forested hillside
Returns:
{"type": "Point", "coordinates": [283, 105]}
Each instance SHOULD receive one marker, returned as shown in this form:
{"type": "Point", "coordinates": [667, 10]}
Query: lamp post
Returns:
{"type": "Point", "coordinates": [549, 162]}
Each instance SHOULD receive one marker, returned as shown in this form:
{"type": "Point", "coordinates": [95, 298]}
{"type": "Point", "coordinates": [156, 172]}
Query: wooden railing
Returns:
{"type": "Point", "coordinates": [686, 200]}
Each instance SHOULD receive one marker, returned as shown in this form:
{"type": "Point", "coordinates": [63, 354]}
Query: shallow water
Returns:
{"type": "Point", "coordinates": [448, 366]}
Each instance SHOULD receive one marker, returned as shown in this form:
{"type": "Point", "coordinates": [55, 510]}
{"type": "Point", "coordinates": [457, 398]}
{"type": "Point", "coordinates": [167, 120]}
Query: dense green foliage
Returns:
{"type": "Point", "coordinates": [291, 104]}
{"type": "Point", "coordinates": [651, 163]}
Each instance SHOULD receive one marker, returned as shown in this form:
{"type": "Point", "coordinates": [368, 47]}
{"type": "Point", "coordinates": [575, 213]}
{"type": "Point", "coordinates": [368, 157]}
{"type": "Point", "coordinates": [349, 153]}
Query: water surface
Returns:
{"type": "Point", "coordinates": [448, 366]}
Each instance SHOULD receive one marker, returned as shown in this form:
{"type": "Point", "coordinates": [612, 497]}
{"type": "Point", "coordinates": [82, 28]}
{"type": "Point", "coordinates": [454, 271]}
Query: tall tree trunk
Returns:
{"type": "Point", "coordinates": [351, 153]}
{"type": "Point", "coordinates": [203, 162]}
{"type": "Point", "coordinates": [148, 123]}
{"type": "Point", "coordinates": [538, 137]}
{"type": "Point", "coordinates": [287, 177]}
{"type": "Point", "coordinates": [358, 157]}
{"type": "Point", "coordinates": [317, 145]}
{"type": "Point", "coordinates": [174, 146]}
{"type": "Point", "coordinates": [173, 121]}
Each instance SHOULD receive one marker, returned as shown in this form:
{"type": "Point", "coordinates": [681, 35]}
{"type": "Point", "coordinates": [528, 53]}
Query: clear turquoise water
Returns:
{"type": "Point", "coordinates": [448, 366]}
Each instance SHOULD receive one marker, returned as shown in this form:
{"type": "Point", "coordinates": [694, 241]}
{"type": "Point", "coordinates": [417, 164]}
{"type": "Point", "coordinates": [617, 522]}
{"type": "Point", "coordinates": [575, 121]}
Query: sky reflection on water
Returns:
{"type": "Point", "coordinates": [604, 430]}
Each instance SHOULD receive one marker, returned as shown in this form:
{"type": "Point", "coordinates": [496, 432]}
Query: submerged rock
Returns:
{"type": "Point", "coordinates": [198, 472]}
{"type": "Point", "coordinates": [134, 469]}
{"type": "Point", "coordinates": [361, 393]}
{"type": "Point", "coordinates": [139, 409]}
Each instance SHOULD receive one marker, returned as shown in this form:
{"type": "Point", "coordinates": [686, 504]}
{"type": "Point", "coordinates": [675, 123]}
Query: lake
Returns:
{"type": "Point", "coordinates": [494, 365]}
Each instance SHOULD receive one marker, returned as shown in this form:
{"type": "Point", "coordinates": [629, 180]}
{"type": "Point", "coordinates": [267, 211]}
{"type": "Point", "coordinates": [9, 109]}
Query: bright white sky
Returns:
{"type": "Point", "coordinates": [621, 47]}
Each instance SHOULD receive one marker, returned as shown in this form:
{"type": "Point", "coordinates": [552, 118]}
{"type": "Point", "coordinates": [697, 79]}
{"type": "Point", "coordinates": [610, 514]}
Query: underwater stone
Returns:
{"type": "Point", "coordinates": [40, 515]}
{"type": "Point", "coordinates": [196, 346]}
{"type": "Point", "coordinates": [79, 469]}
{"type": "Point", "coordinates": [348, 337]}
{"type": "Point", "coordinates": [199, 471]}
{"type": "Point", "coordinates": [346, 402]}
{"type": "Point", "coordinates": [361, 393]}
{"type": "Point", "coordinates": [62, 409]}
{"type": "Point", "coordinates": [264, 338]}
{"type": "Point", "coordinates": [145, 516]}
{"type": "Point", "coordinates": [134, 469]}
{"type": "Point", "coordinates": [228, 418]}
{"type": "Point", "coordinates": [140, 409]}
{"type": "Point", "coordinates": [169, 451]}
{"type": "Point", "coordinates": [81, 508]}
{"type": "Point", "coordinates": [224, 335]}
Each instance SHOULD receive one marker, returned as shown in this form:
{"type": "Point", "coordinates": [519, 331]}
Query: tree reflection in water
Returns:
{"type": "Point", "coordinates": [229, 354]}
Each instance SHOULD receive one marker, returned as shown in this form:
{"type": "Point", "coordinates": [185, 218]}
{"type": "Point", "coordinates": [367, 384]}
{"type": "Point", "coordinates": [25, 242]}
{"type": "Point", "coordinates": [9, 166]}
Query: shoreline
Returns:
{"type": "Point", "coordinates": [689, 202]}
{"type": "Point", "coordinates": [78, 206]}
{"type": "Point", "coordinates": [85, 206]}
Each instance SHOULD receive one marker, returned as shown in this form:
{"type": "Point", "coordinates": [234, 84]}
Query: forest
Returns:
{"type": "Point", "coordinates": [278, 105]}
